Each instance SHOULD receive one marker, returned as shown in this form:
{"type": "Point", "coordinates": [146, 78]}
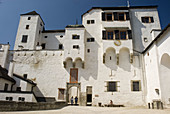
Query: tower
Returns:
{"type": "Point", "coordinates": [29, 31]}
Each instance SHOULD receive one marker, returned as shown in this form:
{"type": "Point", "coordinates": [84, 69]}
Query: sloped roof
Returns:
{"type": "Point", "coordinates": [4, 75]}
{"type": "Point", "coordinates": [32, 13]}
{"type": "Point", "coordinates": [24, 79]}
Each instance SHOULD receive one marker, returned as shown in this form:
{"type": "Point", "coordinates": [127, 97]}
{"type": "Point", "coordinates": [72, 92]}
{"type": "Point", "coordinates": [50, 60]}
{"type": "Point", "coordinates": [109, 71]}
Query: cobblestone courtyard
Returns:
{"type": "Point", "coordinates": [95, 110]}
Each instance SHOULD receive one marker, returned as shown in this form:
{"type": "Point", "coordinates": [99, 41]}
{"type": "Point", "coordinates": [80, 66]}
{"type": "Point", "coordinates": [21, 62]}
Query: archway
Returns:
{"type": "Point", "coordinates": [73, 89]}
{"type": "Point", "coordinates": [165, 78]}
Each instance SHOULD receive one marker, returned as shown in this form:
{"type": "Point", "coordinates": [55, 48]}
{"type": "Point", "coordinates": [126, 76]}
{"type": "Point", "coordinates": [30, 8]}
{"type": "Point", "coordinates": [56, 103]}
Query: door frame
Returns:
{"type": "Point", "coordinates": [76, 77]}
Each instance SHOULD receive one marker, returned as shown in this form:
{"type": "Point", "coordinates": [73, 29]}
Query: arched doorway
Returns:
{"type": "Point", "coordinates": [73, 89]}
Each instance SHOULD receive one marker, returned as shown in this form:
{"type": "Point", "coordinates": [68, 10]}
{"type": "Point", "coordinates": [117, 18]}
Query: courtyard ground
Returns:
{"type": "Point", "coordinates": [95, 110]}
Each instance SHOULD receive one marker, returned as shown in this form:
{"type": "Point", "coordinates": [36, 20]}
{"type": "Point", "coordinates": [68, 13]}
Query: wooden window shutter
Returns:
{"type": "Point", "coordinates": [115, 16]}
{"type": "Point", "coordinates": [104, 35]}
{"type": "Point", "coordinates": [103, 17]}
{"type": "Point", "coordinates": [117, 34]}
{"type": "Point", "coordinates": [152, 20]}
{"type": "Point", "coordinates": [127, 16]}
{"type": "Point", "coordinates": [129, 34]}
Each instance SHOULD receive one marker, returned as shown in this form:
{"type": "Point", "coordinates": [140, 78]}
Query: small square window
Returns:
{"type": "Point", "coordinates": [135, 85]}
{"type": "Point", "coordinates": [112, 86]}
{"type": "Point", "coordinates": [29, 18]}
{"type": "Point", "coordinates": [92, 21]}
{"type": "Point", "coordinates": [24, 38]}
{"type": "Point", "coordinates": [25, 76]}
{"type": "Point", "coordinates": [88, 50]}
{"type": "Point", "coordinates": [61, 94]}
{"type": "Point", "coordinates": [75, 46]}
{"type": "Point", "coordinates": [45, 36]}
{"type": "Point", "coordinates": [7, 98]}
{"type": "Point", "coordinates": [60, 46]}
{"type": "Point", "coordinates": [10, 98]}
{"type": "Point", "coordinates": [23, 99]}
{"type": "Point", "coordinates": [61, 36]}
{"type": "Point", "coordinates": [75, 36]}
{"type": "Point", "coordinates": [18, 89]}
{"type": "Point", "coordinates": [27, 26]}
{"type": "Point", "coordinates": [43, 45]}
{"type": "Point", "coordinates": [88, 21]}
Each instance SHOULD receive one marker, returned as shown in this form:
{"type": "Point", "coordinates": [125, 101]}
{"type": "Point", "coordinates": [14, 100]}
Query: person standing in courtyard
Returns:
{"type": "Point", "coordinates": [72, 100]}
{"type": "Point", "coordinates": [76, 99]}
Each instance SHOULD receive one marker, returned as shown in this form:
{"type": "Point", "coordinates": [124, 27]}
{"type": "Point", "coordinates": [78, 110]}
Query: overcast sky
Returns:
{"type": "Point", "coordinates": [59, 13]}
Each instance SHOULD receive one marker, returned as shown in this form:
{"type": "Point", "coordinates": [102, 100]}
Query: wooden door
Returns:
{"type": "Point", "coordinates": [74, 75]}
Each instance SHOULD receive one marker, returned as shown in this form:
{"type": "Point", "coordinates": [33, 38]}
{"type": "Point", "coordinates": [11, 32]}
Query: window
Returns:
{"type": "Point", "coordinates": [145, 40]}
{"type": "Point", "coordinates": [88, 50]}
{"type": "Point", "coordinates": [110, 35]}
{"type": "Point", "coordinates": [43, 45]}
{"type": "Point", "coordinates": [75, 36]}
{"type": "Point", "coordinates": [147, 19]}
{"type": "Point", "coordinates": [61, 94]}
{"type": "Point", "coordinates": [90, 21]}
{"type": "Point", "coordinates": [75, 46]}
{"type": "Point", "coordinates": [117, 35]}
{"type": "Point", "coordinates": [135, 86]}
{"type": "Point", "coordinates": [24, 38]}
{"type": "Point", "coordinates": [60, 46]}
{"type": "Point", "coordinates": [45, 36]}
{"type": "Point", "coordinates": [61, 36]}
{"type": "Point", "coordinates": [27, 26]}
{"type": "Point", "coordinates": [123, 35]}
{"type": "Point", "coordinates": [25, 76]}
{"type": "Point", "coordinates": [29, 18]}
{"type": "Point", "coordinates": [18, 89]}
{"type": "Point", "coordinates": [121, 16]}
{"type": "Point", "coordinates": [112, 86]}
{"type": "Point", "coordinates": [21, 99]}
{"type": "Point", "coordinates": [115, 16]}
{"type": "Point", "coordinates": [6, 87]}
{"type": "Point", "coordinates": [109, 16]}
{"type": "Point", "coordinates": [90, 39]}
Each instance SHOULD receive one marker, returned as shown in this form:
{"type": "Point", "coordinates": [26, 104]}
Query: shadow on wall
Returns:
{"type": "Point", "coordinates": [38, 95]}
{"type": "Point", "coordinates": [165, 78]}
{"type": "Point", "coordinates": [110, 59]}
{"type": "Point", "coordinates": [137, 26]}
{"type": "Point", "coordinates": [124, 59]}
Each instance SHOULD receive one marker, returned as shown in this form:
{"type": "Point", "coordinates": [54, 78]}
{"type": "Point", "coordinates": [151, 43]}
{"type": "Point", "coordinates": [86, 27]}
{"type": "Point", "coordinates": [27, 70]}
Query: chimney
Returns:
{"type": "Point", "coordinates": [11, 69]}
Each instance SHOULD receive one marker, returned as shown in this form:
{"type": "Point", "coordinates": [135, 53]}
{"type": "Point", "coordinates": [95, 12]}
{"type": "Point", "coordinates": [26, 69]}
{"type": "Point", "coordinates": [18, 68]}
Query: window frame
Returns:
{"type": "Point", "coordinates": [75, 37]}
{"type": "Point", "coordinates": [132, 89]}
{"type": "Point", "coordinates": [120, 34]}
{"type": "Point", "coordinates": [24, 38]}
{"type": "Point", "coordinates": [117, 86]}
{"type": "Point", "coordinates": [111, 14]}
{"type": "Point", "coordinates": [149, 19]}
{"type": "Point", "coordinates": [123, 14]}
{"type": "Point", "coordinates": [27, 27]}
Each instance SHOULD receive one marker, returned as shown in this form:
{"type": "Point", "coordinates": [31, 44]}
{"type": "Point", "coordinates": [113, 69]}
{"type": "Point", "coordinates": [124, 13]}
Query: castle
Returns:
{"type": "Point", "coordinates": [118, 53]}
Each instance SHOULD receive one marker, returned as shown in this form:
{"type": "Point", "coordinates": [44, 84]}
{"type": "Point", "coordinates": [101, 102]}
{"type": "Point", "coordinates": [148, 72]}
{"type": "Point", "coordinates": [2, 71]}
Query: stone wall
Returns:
{"type": "Point", "coordinates": [25, 106]}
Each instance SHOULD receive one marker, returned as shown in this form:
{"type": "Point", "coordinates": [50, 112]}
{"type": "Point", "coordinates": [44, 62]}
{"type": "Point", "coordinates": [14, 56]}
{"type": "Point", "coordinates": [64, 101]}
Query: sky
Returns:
{"type": "Point", "coordinates": [58, 13]}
